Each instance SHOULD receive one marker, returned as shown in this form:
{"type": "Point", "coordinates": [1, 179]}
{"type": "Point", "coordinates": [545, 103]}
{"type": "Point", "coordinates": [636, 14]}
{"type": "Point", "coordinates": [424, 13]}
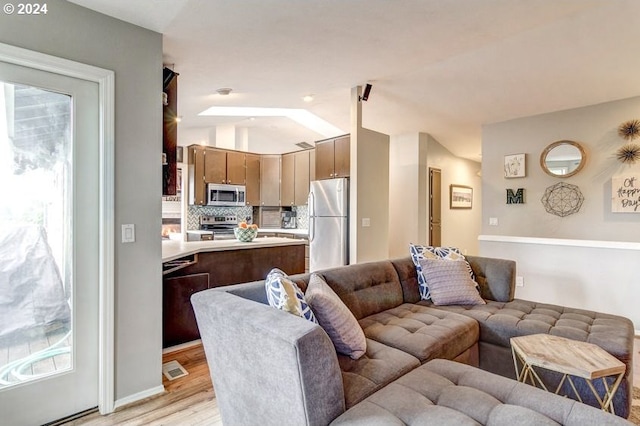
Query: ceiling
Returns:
{"type": "Point", "coordinates": [444, 67]}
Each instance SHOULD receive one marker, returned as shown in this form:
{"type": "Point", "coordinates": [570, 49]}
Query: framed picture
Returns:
{"type": "Point", "coordinates": [515, 166]}
{"type": "Point", "coordinates": [460, 197]}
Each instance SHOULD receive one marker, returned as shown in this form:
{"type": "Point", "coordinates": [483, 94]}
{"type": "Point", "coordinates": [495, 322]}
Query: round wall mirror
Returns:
{"type": "Point", "coordinates": [563, 159]}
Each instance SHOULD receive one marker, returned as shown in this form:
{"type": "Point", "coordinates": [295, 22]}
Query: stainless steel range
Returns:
{"type": "Point", "coordinates": [222, 226]}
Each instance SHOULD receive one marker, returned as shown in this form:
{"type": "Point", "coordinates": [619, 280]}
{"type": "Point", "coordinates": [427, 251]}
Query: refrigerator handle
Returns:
{"type": "Point", "coordinates": [312, 222]}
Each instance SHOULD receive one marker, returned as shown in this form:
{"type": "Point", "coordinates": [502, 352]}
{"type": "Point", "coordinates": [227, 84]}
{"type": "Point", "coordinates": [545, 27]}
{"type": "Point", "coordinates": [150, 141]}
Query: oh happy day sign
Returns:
{"type": "Point", "coordinates": [625, 194]}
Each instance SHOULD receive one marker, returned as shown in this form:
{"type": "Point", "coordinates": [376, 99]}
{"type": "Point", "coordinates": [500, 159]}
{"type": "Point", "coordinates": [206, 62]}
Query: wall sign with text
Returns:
{"type": "Point", "coordinates": [625, 194]}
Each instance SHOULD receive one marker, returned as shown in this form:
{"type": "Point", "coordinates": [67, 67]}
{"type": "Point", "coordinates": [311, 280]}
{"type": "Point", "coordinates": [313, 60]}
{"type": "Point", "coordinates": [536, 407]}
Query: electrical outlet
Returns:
{"type": "Point", "coordinates": [493, 221]}
{"type": "Point", "coordinates": [519, 281]}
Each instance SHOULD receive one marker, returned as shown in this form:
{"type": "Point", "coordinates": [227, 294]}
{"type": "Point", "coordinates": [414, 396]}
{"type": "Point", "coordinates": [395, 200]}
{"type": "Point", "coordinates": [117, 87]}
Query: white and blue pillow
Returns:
{"type": "Point", "coordinates": [419, 252]}
{"type": "Point", "coordinates": [284, 294]}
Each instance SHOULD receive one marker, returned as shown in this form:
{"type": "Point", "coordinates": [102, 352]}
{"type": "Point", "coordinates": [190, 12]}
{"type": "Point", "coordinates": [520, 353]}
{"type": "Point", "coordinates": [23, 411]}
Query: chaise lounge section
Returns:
{"type": "Point", "coordinates": [272, 367]}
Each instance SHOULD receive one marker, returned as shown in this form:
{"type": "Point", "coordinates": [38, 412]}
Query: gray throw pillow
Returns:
{"type": "Point", "coordinates": [335, 318]}
{"type": "Point", "coordinates": [449, 282]}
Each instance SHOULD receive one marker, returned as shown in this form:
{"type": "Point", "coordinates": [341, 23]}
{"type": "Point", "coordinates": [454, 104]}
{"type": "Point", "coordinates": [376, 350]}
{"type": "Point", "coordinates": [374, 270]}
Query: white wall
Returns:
{"type": "Point", "coordinates": [595, 128]}
{"type": "Point", "coordinates": [410, 157]}
{"type": "Point", "coordinates": [592, 274]}
{"type": "Point", "coordinates": [369, 189]}
{"type": "Point", "coordinates": [575, 273]}
{"type": "Point", "coordinates": [73, 32]}
{"type": "Point", "coordinates": [408, 194]}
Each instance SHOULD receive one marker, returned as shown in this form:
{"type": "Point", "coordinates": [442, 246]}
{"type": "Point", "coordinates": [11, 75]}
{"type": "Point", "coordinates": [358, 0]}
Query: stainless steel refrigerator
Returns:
{"type": "Point", "coordinates": [328, 223]}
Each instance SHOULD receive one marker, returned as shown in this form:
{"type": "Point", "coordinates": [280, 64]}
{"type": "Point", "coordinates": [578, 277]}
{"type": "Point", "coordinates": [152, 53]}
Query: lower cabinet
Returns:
{"type": "Point", "coordinates": [179, 321]}
{"type": "Point", "coordinates": [216, 269]}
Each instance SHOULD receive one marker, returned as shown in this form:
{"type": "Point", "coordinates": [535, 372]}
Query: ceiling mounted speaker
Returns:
{"type": "Point", "coordinates": [365, 94]}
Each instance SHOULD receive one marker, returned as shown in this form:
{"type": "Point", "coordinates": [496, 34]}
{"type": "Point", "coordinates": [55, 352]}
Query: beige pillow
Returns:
{"type": "Point", "coordinates": [449, 282]}
{"type": "Point", "coordinates": [335, 318]}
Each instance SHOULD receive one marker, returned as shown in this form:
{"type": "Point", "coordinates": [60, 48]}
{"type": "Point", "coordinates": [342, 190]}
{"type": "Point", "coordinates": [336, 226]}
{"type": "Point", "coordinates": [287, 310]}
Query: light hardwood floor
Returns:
{"type": "Point", "coordinates": [190, 400]}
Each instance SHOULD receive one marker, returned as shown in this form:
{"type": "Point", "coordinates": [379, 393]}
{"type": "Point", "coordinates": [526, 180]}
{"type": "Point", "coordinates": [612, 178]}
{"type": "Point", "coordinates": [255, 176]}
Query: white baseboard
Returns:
{"type": "Point", "coordinates": [181, 346]}
{"type": "Point", "coordinates": [138, 396]}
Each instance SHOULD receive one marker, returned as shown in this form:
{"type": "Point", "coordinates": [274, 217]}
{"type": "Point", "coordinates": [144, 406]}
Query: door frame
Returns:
{"type": "Point", "coordinates": [106, 88]}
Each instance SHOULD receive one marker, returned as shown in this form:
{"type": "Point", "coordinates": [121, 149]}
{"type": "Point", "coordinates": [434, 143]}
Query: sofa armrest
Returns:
{"type": "Point", "coordinates": [496, 277]}
{"type": "Point", "coordinates": [268, 367]}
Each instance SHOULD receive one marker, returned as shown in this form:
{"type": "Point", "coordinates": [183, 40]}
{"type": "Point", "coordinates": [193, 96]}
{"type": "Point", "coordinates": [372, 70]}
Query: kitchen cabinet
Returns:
{"type": "Point", "coordinates": [294, 185]}
{"type": "Point", "coordinates": [197, 184]}
{"type": "Point", "coordinates": [216, 269]}
{"type": "Point", "coordinates": [270, 180]}
{"type": "Point", "coordinates": [333, 158]}
{"type": "Point", "coordinates": [224, 167]}
{"type": "Point", "coordinates": [252, 162]}
{"type": "Point", "coordinates": [178, 319]}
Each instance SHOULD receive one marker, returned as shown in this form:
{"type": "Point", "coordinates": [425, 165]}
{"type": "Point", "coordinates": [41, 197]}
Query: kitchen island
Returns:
{"type": "Point", "coordinates": [189, 267]}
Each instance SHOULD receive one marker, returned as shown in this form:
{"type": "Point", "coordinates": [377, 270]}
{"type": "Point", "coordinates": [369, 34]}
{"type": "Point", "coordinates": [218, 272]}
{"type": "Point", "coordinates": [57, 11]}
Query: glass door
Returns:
{"type": "Point", "coordinates": [49, 254]}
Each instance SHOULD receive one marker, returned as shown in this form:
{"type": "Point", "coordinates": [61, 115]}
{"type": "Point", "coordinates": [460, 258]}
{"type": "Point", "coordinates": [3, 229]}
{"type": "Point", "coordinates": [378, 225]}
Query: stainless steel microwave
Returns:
{"type": "Point", "coordinates": [226, 195]}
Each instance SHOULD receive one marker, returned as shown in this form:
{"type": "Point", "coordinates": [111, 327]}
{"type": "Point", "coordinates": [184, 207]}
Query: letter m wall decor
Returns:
{"type": "Point", "coordinates": [515, 198]}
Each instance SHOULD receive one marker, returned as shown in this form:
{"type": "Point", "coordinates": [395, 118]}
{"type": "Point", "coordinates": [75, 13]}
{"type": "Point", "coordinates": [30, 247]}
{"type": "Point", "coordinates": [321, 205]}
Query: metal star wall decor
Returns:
{"type": "Point", "coordinates": [562, 199]}
{"type": "Point", "coordinates": [629, 153]}
{"type": "Point", "coordinates": [629, 130]}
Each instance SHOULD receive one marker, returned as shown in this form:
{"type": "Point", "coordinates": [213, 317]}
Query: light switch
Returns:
{"type": "Point", "coordinates": [128, 233]}
{"type": "Point", "coordinates": [519, 281]}
{"type": "Point", "coordinates": [493, 221]}
{"type": "Point", "coordinates": [366, 222]}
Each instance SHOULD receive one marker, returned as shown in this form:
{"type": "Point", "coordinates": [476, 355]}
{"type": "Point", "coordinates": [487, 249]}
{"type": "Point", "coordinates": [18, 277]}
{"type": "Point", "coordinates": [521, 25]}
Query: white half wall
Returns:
{"type": "Point", "coordinates": [585, 274]}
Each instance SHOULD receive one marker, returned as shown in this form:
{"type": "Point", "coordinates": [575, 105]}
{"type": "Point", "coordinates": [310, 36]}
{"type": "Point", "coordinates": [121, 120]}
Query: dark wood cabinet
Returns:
{"type": "Point", "coordinates": [270, 180]}
{"type": "Point", "coordinates": [197, 183]}
{"type": "Point", "coordinates": [287, 181]}
{"type": "Point", "coordinates": [294, 185]}
{"type": "Point", "coordinates": [215, 166]}
{"type": "Point", "coordinates": [216, 269]}
{"type": "Point", "coordinates": [333, 158]}
{"type": "Point", "coordinates": [252, 162]}
{"type": "Point", "coordinates": [179, 321]}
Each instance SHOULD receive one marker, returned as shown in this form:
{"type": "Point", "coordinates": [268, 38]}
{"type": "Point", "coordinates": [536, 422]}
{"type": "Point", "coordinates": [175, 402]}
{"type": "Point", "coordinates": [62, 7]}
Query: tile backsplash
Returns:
{"type": "Point", "coordinates": [194, 213]}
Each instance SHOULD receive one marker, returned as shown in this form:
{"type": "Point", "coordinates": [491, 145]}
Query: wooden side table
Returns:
{"type": "Point", "coordinates": [569, 358]}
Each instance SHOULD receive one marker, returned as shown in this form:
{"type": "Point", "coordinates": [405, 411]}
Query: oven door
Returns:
{"type": "Point", "coordinates": [225, 195]}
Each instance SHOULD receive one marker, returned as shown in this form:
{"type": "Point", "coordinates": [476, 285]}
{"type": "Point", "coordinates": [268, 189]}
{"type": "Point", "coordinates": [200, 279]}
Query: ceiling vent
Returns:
{"type": "Point", "coordinates": [304, 145]}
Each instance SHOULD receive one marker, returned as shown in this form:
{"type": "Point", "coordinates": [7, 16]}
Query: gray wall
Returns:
{"type": "Point", "coordinates": [135, 55]}
{"type": "Point", "coordinates": [595, 127]}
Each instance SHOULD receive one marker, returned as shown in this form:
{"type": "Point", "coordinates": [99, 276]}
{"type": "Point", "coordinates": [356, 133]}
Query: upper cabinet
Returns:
{"type": "Point", "coordinates": [294, 185]}
{"type": "Point", "coordinates": [270, 180]}
{"type": "Point", "coordinates": [225, 167]}
{"type": "Point", "coordinates": [333, 158]}
{"type": "Point", "coordinates": [252, 162]}
{"type": "Point", "coordinates": [197, 184]}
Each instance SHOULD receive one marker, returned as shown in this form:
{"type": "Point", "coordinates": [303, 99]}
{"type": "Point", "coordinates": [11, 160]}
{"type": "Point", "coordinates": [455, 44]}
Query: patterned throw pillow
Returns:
{"type": "Point", "coordinates": [335, 318]}
{"type": "Point", "coordinates": [419, 252]}
{"type": "Point", "coordinates": [284, 294]}
{"type": "Point", "coordinates": [449, 282]}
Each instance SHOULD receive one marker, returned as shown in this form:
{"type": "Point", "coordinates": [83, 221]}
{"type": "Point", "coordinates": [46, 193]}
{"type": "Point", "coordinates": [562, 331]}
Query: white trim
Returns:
{"type": "Point", "coordinates": [181, 346]}
{"type": "Point", "coordinates": [618, 245]}
{"type": "Point", "coordinates": [106, 84]}
{"type": "Point", "coordinates": [139, 396]}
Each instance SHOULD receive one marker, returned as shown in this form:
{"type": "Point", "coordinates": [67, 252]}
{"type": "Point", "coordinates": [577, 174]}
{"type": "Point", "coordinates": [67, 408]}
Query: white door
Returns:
{"type": "Point", "coordinates": [49, 245]}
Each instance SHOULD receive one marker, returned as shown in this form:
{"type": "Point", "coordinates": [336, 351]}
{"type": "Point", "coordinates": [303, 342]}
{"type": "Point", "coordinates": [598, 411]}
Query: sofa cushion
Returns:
{"type": "Point", "coordinates": [419, 252]}
{"type": "Point", "coordinates": [379, 366]}
{"type": "Point", "coordinates": [443, 392]}
{"type": "Point", "coordinates": [366, 288]}
{"type": "Point", "coordinates": [284, 294]}
{"type": "Point", "coordinates": [449, 282]}
{"type": "Point", "coordinates": [335, 318]}
{"type": "Point", "coordinates": [421, 331]}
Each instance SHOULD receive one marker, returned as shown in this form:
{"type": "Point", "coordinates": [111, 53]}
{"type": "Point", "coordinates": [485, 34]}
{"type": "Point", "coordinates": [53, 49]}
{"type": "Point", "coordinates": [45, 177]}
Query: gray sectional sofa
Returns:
{"type": "Point", "coordinates": [271, 367]}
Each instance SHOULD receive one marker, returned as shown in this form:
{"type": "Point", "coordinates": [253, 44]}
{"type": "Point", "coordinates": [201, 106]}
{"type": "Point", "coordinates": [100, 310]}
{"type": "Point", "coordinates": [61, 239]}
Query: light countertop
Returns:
{"type": "Point", "coordinates": [172, 249]}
